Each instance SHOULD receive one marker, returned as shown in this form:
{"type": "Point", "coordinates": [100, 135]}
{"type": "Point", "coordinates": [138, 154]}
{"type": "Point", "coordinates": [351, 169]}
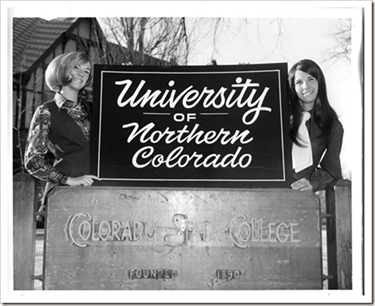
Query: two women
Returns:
{"type": "Point", "coordinates": [316, 132]}
{"type": "Point", "coordinates": [62, 126]}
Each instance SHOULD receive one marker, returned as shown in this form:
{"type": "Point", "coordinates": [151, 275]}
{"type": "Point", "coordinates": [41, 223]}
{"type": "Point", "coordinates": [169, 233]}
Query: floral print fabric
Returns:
{"type": "Point", "coordinates": [38, 144]}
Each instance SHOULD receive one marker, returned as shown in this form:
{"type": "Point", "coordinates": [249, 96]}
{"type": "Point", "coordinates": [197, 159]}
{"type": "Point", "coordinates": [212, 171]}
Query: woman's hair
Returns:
{"type": "Point", "coordinates": [324, 114]}
{"type": "Point", "coordinates": [57, 73]}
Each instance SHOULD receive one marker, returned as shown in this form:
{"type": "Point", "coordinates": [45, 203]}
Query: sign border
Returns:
{"type": "Point", "coordinates": [101, 70]}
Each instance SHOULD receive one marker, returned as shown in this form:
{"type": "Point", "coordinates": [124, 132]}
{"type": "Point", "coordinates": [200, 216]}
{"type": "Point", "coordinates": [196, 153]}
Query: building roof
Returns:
{"type": "Point", "coordinates": [33, 36]}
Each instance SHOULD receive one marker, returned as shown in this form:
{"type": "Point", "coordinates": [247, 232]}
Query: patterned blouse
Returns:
{"type": "Point", "coordinates": [60, 128]}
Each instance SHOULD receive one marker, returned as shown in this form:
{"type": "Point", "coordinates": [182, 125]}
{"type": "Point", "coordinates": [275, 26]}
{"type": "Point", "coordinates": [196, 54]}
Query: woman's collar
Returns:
{"type": "Point", "coordinates": [62, 101]}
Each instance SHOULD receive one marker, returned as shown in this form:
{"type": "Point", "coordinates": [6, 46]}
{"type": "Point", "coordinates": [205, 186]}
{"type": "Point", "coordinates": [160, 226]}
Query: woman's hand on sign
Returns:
{"type": "Point", "coordinates": [84, 180]}
{"type": "Point", "coordinates": [302, 184]}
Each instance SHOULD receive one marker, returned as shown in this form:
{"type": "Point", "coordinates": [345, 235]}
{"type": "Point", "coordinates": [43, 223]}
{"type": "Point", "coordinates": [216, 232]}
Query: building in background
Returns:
{"type": "Point", "coordinates": [36, 42]}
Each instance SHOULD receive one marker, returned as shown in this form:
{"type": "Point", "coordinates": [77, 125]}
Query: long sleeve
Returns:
{"type": "Point", "coordinates": [330, 166]}
{"type": "Point", "coordinates": [37, 147]}
{"type": "Point", "coordinates": [320, 179]}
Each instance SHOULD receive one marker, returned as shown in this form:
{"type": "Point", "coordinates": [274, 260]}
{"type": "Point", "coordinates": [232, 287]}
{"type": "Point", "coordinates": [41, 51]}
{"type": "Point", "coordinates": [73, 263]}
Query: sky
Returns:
{"type": "Point", "coordinates": [303, 36]}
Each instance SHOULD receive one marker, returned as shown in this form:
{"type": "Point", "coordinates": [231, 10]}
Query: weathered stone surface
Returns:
{"type": "Point", "coordinates": [118, 238]}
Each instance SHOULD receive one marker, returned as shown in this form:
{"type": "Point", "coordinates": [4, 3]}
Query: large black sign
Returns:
{"type": "Point", "coordinates": [215, 126]}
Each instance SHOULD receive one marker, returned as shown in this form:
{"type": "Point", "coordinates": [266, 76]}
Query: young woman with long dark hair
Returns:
{"type": "Point", "coordinates": [316, 132]}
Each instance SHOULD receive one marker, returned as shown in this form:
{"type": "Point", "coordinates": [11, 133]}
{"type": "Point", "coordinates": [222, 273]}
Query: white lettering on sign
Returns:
{"type": "Point", "coordinates": [147, 134]}
{"type": "Point", "coordinates": [84, 230]}
{"type": "Point", "coordinates": [190, 98]}
{"type": "Point", "coordinates": [242, 94]}
{"type": "Point", "coordinates": [145, 156]}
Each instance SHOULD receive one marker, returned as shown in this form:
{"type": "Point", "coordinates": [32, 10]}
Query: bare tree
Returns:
{"type": "Point", "coordinates": [143, 37]}
{"type": "Point", "coordinates": [341, 31]}
{"type": "Point", "coordinates": [243, 28]}
{"type": "Point", "coordinates": [172, 40]}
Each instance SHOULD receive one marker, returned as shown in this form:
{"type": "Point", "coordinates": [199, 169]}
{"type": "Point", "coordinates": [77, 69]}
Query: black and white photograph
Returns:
{"type": "Point", "coordinates": [186, 152]}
